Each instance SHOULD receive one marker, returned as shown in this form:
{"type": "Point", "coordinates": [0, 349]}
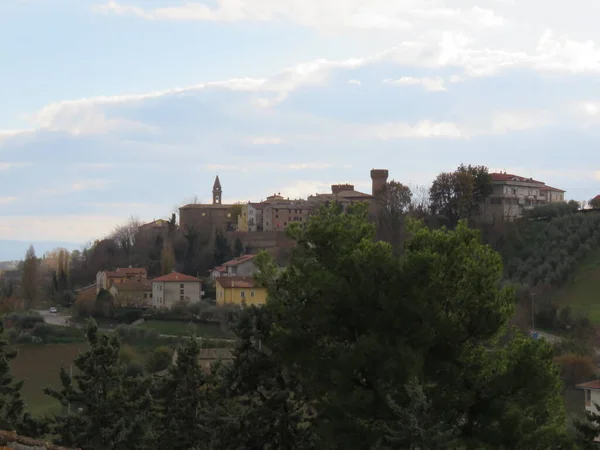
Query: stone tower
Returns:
{"type": "Point", "coordinates": [217, 197]}
{"type": "Point", "coordinates": [379, 178]}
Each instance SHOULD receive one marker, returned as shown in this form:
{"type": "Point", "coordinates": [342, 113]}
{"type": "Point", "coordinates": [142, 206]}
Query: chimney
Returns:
{"type": "Point", "coordinates": [379, 179]}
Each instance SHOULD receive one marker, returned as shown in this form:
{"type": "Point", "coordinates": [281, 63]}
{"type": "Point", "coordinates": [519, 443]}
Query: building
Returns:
{"type": "Point", "coordinates": [251, 217]}
{"type": "Point", "coordinates": [242, 266]}
{"type": "Point", "coordinates": [216, 272]}
{"type": "Point", "coordinates": [512, 195]}
{"type": "Point", "coordinates": [595, 202]}
{"type": "Point", "coordinates": [106, 278]}
{"type": "Point", "coordinates": [209, 217]}
{"type": "Point", "coordinates": [173, 288]}
{"type": "Point", "coordinates": [278, 213]}
{"type": "Point", "coordinates": [237, 290]}
{"type": "Point", "coordinates": [591, 397]}
{"type": "Point", "coordinates": [132, 294]}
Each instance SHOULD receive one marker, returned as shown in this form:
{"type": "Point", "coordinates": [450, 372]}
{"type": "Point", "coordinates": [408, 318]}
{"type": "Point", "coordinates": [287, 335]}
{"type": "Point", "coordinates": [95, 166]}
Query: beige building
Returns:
{"type": "Point", "coordinates": [209, 217]}
{"type": "Point", "coordinates": [512, 195]}
{"type": "Point", "coordinates": [173, 288]}
{"type": "Point", "coordinates": [242, 266]}
{"type": "Point", "coordinates": [106, 279]}
{"type": "Point", "coordinates": [132, 294]}
{"type": "Point", "coordinates": [251, 217]}
{"type": "Point", "coordinates": [278, 212]}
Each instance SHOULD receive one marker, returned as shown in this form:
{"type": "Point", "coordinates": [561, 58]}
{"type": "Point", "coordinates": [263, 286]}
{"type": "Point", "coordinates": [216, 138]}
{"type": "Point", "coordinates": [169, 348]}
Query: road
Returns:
{"type": "Point", "coordinates": [54, 319]}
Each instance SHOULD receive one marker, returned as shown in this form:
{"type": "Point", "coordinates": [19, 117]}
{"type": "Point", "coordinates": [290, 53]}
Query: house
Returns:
{"type": "Point", "coordinates": [216, 272]}
{"type": "Point", "coordinates": [132, 294]}
{"type": "Point", "coordinates": [595, 202]}
{"type": "Point", "coordinates": [512, 195]}
{"type": "Point", "coordinates": [105, 279]}
{"type": "Point", "coordinates": [592, 397]}
{"type": "Point", "coordinates": [278, 212]}
{"type": "Point", "coordinates": [242, 266]}
{"type": "Point", "coordinates": [251, 217]}
{"type": "Point", "coordinates": [173, 288]}
{"type": "Point", "coordinates": [236, 290]}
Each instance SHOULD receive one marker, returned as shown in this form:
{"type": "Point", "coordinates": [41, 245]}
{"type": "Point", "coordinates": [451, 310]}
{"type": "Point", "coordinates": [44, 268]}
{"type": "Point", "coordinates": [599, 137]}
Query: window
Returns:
{"type": "Point", "coordinates": [145, 295]}
{"type": "Point", "coordinates": [180, 291]}
{"type": "Point", "coordinates": [243, 294]}
{"type": "Point", "coordinates": [276, 209]}
{"type": "Point", "coordinates": [181, 298]}
{"type": "Point", "coordinates": [181, 286]}
{"type": "Point", "coordinates": [251, 293]}
{"type": "Point", "coordinates": [203, 214]}
{"type": "Point", "coordinates": [228, 214]}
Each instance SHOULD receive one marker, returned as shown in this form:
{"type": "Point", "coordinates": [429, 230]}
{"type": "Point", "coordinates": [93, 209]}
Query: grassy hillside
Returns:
{"type": "Point", "coordinates": [582, 293]}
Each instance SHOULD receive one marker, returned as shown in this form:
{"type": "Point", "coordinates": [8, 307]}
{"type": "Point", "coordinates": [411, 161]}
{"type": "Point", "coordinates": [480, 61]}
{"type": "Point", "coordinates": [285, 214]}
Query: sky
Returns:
{"type": "Point", "coordinates": [117, 108]}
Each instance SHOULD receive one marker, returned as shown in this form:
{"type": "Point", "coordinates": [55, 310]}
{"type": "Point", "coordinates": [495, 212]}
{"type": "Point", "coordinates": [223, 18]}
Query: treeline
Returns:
{"type": "Point", "coordinates": [357, 348]}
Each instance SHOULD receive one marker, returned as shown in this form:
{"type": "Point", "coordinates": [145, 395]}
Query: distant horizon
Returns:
{"type": "Point", "coordinates": [14, 250]}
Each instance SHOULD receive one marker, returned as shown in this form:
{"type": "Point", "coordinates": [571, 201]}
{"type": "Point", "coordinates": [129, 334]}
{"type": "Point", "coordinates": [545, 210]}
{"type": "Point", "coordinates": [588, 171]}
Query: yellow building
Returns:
{"type": "Point", "coordinates": [235, 290]}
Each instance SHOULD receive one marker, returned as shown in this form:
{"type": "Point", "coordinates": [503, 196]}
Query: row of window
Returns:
{"type": "Point", "coordinates": [242, 294]}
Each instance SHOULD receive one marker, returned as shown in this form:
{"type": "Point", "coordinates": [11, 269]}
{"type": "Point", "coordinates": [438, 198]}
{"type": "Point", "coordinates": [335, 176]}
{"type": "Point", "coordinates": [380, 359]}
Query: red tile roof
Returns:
{"type": "Point", "coordinates": [495, 176]}
{"type": "Point", "coordinates": [550, 188]}
{"type": "Point", "coordinates": [176, 277]}
{"type": "Point", "coordinates": [125, 271]}
{"type": "Point", "coordinates": [594, 385]}
{"type": "Point", "coordinates": [239, 260]}
{"type": "Point", "coordinates": [238, 282]}
{"type": "Point", "coordinates": [218, 269]}
{"type": "Point", "coordinates": [596, 198]}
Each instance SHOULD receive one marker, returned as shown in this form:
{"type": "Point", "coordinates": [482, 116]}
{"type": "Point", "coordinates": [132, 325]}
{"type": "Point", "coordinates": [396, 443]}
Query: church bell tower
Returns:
{"type": "Point", "coordinates": [217, 192]}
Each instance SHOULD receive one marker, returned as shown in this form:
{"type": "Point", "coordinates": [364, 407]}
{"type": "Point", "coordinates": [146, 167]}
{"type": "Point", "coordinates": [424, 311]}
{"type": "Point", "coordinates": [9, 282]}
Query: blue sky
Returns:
{"type": "Point", "coordinates": [112, 109]}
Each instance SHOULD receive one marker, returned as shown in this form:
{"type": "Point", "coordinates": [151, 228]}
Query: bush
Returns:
{"type": "Point", "coordinates": [55, 334]}
{"type": "Point", "coordinates": [160, 359]}
{"type": "Point", "coordinates": [22, 320]}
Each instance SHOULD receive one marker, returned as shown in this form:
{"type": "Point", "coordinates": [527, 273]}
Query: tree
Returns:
{"type": "Point", "coordinates": [107, 408]}
{"type": "Point", "coordinates": [167, 258]}
{"type": "Point", "coordinates": [160, 359]}
{"type": "Point", "coordinates": [355, 325]}
{"type": "Point", "coordinates": [458, 195]}
{"type": "Point", "coordinates": [183, 399]}
{"type": "Point", "coordinates": [262, 405]}
{"type": "Point", "coordinates": [595, 202]}
{"type": "Point", "coordinates": [29, 280]}
{"type": "Point", "coordinates": [11, 402]}
{"type": "Point", "coordinates": [239, 247]}
{"type": "Point", "coordinates": [393, 202]}
{"type": "Point", "coordinates": [125, 237]}
{"type": "Point", "coordinates": [104, 304]}
{"type": "Point", "coordinates": [222, 251]}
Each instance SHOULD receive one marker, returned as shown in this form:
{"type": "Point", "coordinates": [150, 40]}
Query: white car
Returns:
{"type": "Point", "coordinates": [53, 310]}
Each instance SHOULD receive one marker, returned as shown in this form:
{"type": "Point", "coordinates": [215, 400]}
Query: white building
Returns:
{"type": "Point", "coordinates": [513, 194]}
{"type": "Point", "coordinates": [174, 288]}
{"type": "Point", "coordinates": [242, 266]}
{"type": "Point", "coordinates": [592, 397]}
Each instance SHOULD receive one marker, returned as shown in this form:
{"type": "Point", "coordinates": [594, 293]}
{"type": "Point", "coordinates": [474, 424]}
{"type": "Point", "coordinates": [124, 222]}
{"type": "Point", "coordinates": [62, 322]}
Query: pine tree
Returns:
{"type": "Point", "coordinates": [222, 252]}
{"type": "Point", "coordinates": [107, 409]}
{"type": "Point", "coordinates": [29, 281]}
{"type": "Point", "coordinates": [183, 403]}
{"type": "Point", "coordinates": [263, 407]}
{"type": "Point", "coordinates": [12, 405]}
{"type": "Point", "coordinates": [239, 247]}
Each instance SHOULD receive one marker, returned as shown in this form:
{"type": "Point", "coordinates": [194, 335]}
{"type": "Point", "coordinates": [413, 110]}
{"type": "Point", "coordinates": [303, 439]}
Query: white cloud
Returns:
{"type": "Point", "coordinates": [422, 129]}
{"type": "Point", "coordinates": [266, 166]}
{"type": "Point", "coordinates": [77, 186]}
{"type": "Point", "coordinates": [267, 140]}
{"type": "Point", "coordinates": [5, 200]}
{"type": "Point", "coordinates": [354, 82]}
{"type": "Point", "coordinates": [429, 84]}
{"type": "Point", "coordinates": [6, 166]}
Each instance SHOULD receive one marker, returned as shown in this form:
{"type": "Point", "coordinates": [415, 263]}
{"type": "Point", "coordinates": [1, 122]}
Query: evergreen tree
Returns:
{"type": "Point", "coordinates": [239, 247]}
{"type": "Point", "coordinates": [107, 409]}
{"type": "Point", "coordinates": [355, 324]}
{"type": "Point", "coordinates": [183, 403]}
{"type": "Point", "coordinates": [264, 406]}
{"type": "Point", "coordinates": [12, 405]}
{"type": "Point", "coordinates": [29, 280]}
{"type": "Point", "coordinates": [222, 251]}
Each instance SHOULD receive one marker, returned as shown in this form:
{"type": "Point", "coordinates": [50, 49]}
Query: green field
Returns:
{"type": "Point", "coordinates": [583, 293]}
{"type": "Point", "coordinates": [39, 367]}
{"type": "Point", "coordinates": [180, 328]}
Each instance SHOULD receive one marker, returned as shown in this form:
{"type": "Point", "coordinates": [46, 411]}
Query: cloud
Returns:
{"type": "Point", "coordinates": [267, 141]}
{"type": "Point", "coordinates": [354, 82]}
{"type": "Point", "coordinates": [265, 166]}
{"type": "Point", "coordinates": [6, 166]}
{"type": "Point", "coordinates": [422, 129]}
{"type": "Point", "coordinates": [429, 84]}
{"type": "Point", "coordinates": [305, 188]}
{"type": "Point", "coordinates": [77, 186]}
{"type": "Point", "coordinates": [5, 200]}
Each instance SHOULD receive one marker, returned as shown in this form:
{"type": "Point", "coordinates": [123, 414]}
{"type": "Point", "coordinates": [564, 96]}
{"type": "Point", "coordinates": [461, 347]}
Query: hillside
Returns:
{"type": "Point", "coordinates": [583, 292]}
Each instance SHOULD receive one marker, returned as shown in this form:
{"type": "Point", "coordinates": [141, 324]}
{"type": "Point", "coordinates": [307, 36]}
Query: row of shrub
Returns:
{"type": "Point", "coordinates": [45, 333]}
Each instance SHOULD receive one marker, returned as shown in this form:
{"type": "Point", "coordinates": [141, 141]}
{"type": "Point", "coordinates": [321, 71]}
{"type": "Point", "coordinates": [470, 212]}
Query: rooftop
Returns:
{"type": "Point", "coordinates": [593, 385]}
{"type": "Point", "coordinates": [503, 176]}
{"type": "Point", "coordinates": [124, 271]}
{"type": "Point", "coordinates": [176, 276]}
{"type": "Point", "coordinates": [239, 260]}
{"type": "Point", "coordinates": [134, 286]}
{"type": "Point", "coordinates": [236, 282]}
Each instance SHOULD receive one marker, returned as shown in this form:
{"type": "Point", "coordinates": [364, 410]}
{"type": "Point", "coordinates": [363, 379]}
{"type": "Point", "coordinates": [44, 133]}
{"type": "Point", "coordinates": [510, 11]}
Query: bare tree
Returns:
{"type": "Point", "coordinates": [125, 236]}
{"type": "Point", "coordinates": [30, 277]}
